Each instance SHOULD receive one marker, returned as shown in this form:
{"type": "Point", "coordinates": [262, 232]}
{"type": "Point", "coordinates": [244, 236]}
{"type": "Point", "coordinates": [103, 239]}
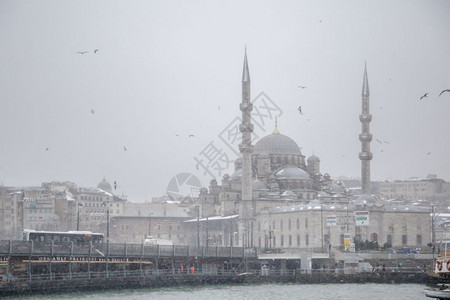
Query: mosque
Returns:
{"type": "Point", "coordinates": [275, 198]}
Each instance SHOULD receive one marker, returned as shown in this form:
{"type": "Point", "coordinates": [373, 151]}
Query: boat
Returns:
{"type": "Point", "coordinates": [441, 272]}
{"type": "Point", "coordinates": [439, 292]}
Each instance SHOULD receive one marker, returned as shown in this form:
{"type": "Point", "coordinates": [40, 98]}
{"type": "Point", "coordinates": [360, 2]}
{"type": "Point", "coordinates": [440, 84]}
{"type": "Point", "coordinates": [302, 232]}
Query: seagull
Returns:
{"type": "Point", "coordinates": [92, 111]}
{"type": "Point", "coordinates": [46, 149]}
{"type": "Point", "coordinates": [83, 52]}
{"type": "Point", "coordinates": [300, 109]}
{"type": "Point", "coordinates": [425, 95]}
{"type": "Point", "coordinates": [386, 142]}
{"type": "Point", "coordinates": [381, 150]}
{"type": "Point", "coordinates": [196, 166]}
{"type": "Point", "coordinates": [302, 87]}
{"type": "Point", "coordinates": [95, 51]}
{"type": "Point", "coordinates": [191, 135]}
{"type": "Point", "coordinates": [378, 141]}
{"type": "Point", "coordinates": [428, 153]}
{"type": "Point", "coordinates": [447, 90]}
{"type": "Point", "coordinates": [115, 185]}
{"type": "Point", "coordinates": [124, 148]}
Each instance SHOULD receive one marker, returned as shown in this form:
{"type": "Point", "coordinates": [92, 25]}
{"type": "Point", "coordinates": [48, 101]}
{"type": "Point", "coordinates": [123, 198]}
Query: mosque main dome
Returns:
{"type": "Point", "coordinates": [276, 144]}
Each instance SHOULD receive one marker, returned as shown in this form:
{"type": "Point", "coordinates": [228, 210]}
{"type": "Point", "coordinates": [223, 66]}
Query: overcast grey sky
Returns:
{"type": "Point", "coordinates": [164, 68]}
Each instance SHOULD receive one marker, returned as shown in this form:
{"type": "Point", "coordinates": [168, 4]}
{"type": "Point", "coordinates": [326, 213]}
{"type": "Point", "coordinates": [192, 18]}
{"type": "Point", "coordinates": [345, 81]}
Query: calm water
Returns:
{"type": "Point", "coordinates": [258, 292]}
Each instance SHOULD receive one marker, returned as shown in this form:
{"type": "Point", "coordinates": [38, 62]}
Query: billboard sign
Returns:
{"type": "Point", "coordinates": [361, 218]}
{"type": "Point", "coordinates": [331, 221]}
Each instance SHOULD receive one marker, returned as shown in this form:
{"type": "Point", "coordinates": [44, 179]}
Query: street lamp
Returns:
{"type": "Point", "coordinates": [79, 205]}
{"type": "Point", "coordinates": [149, 224]}
{"type": "Point", "coordinates": [104, 204]}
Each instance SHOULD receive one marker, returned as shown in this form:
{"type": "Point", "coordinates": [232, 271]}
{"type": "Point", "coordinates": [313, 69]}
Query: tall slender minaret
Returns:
{"type": "Point", "coordinates": [246, 211]}
{"type": "Point", "coordinates": [365, 137]}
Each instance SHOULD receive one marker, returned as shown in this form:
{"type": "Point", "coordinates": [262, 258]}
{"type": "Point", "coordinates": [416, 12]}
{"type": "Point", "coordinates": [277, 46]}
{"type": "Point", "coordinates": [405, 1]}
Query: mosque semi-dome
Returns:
{"type": "Point", "coordinates": [276, 144]}
{"type": "Point", "coordinates": [259, 186]}
{"type": "Point", "coordinates": [290, 173]}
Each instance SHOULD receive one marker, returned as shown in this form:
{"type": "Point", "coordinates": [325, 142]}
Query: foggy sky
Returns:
{"type": "Point", "coordinates": [164, 68]}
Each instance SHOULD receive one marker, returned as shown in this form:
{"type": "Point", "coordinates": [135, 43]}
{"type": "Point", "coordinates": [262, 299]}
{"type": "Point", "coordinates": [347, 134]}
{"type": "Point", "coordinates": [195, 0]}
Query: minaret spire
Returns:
{"type": "Point", "coordinates": [365, 137]}
{"type": "Point", "coordinates": [246, 214]}
{"type": "Point", "coordinates": [365, 87]}
{"type": "Point", "coordinates": [245, 72]}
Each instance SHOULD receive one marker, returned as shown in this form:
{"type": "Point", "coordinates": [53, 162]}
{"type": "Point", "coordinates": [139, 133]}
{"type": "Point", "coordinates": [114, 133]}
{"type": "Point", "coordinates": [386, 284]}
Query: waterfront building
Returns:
{"type": "Point", "coordinates": [158, 220]}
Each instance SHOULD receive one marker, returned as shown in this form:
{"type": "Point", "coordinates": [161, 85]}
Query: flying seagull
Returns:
{"type": "Point", "coordinates": [46, 149]}
{"type": "Point", "coordinates": [115, 185]}
{"type": "Point", "coordinates": [447, 90]}
{"type": "Point", "coordinates": [378, 141]}
{"type": "Point", "coordinates": [95, 51]}
{"type": "Point", "coordinates": [83, 52]}
{"type": "Point", "coordinates": [92, 111]}
{"type": "Point", "coordinates": [300, 109]}
{"type": "Point", "coordinates": [124, 148]}
{"type": "Point", "coordinates": [302, 87]}
{"type": "Point", "coordinates": [428, 153]}
{"type": "Point", "coordinates": [191, 135]}
{"type": "Point", "coordinates": [425, 95]}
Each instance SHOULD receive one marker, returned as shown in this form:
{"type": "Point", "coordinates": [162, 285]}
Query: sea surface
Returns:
{"type": "Point", "coordinates": [254, 292]}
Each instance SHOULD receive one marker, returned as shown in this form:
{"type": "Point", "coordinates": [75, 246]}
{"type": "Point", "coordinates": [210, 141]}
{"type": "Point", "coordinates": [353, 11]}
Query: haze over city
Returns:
{"type": "Point", "coordinates": [165, 82]}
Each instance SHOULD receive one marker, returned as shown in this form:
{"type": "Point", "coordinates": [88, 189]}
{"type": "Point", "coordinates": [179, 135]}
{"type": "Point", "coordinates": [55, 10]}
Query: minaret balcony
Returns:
{"type": "Point", "coordinates": [245, 148]}
{"type": "Point", "coordinates": [365, 155]}
{"type": "Point", "coordinates": [365, 117]}
{"type": "Point", "coordinates": [246, 127]}
{"type": "Point", "coordinates": [246, 106]}
{"type": "Point", "coordinates": [365, 137]}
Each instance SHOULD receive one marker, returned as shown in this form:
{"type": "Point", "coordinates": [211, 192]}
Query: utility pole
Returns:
{"type": "Point", "coordinates": [198, 226]}
{"type": "Point", "coordinates": [107, 224]}
{"type": "Point", "coordinates": [207, 238]}
{"type": "Point", "coordinates": [321, 224]}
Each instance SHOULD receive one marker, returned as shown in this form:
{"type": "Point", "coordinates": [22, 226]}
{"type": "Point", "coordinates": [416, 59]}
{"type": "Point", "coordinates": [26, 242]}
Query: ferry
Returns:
{"type": "Point", "coordinates": [442, 272]}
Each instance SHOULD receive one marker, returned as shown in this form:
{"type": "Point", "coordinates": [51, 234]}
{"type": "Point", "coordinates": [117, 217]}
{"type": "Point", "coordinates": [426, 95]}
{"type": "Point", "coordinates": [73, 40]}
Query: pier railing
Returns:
{"type": "Point", "coordinates": [31, 248]}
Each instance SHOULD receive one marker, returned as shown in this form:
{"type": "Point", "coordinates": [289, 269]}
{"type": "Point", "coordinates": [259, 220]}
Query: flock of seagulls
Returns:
{"type": "Point", "coordinates": [426, 94]}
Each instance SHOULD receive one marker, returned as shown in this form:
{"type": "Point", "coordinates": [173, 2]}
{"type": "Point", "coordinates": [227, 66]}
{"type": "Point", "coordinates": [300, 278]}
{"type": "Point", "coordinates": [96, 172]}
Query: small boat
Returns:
{"type": "Point", "coordinates": [440, 292]}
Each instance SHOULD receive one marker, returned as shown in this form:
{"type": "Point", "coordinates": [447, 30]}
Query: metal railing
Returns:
{"type": "Point", "coordinates": [30, 248]}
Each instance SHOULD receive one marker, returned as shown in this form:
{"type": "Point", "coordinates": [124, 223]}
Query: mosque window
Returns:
{"type": "Point", "coordinates": [389, 239]}
{"type": "Point", "coordinates": [404, 239]}
{"type": "Point", "coordinates": [307, 240]}
{"type": "Point", "coordinates": [419, 239]}
{"type": "Point", "coordinates": [298, 240]}
{"type": "Point", "coordinates": [290, 240]}
{"type": "Point", "coordinates": [282, 241]}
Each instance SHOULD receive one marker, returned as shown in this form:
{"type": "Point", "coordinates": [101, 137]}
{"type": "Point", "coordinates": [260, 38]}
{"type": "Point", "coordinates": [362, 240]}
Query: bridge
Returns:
{"type": "Point", "coordinates": [27, 266]}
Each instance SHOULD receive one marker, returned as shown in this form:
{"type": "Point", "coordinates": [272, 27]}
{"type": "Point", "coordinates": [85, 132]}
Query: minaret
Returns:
{"type": "Point", "coordinates": [246, 213]}
{"type": "Point", "coordinates": [365, 137]}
